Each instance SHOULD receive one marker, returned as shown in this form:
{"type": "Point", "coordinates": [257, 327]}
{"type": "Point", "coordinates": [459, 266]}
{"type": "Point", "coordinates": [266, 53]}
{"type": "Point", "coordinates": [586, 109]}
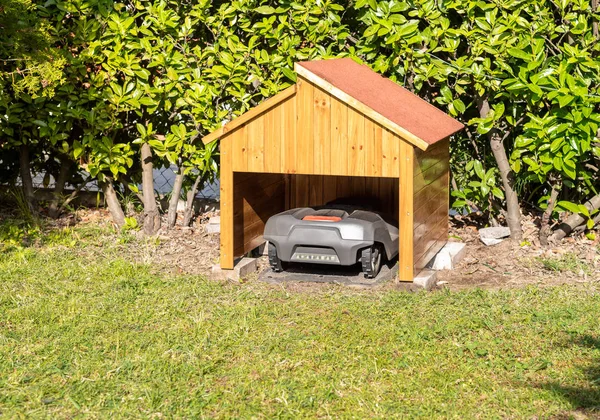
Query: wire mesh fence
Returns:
{"type": "Point", "coordinates": [164, 179]}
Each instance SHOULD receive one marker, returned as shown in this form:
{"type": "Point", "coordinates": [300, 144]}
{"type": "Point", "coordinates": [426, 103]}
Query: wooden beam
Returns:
{"type": "Point", "coordinates": [359, 106]}
{"type": "Point", "coordinates": [250, 114]}
{"type": "Point", "coordinates": [227, 199]}
{"type": "Point", "coordinates": [405, 213]}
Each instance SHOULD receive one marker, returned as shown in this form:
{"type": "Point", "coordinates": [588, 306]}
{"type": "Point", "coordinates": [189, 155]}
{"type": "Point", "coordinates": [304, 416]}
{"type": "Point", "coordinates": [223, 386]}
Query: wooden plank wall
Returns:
{"type": "Point", "coordinates": [312, 132]}
{"type": "Point", "coordinates": [256, 197]}
{"type": "Point", "coordinates": [315, 190]}
{"type": "Point", "coordinates": [431, 201]}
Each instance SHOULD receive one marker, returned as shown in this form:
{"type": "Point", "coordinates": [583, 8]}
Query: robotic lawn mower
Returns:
{"type": "Point", "coordinates": [335, 234]}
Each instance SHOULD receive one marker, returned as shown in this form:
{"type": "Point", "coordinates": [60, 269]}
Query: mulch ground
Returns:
{"type": "Point", "coordinates": [574, 260]}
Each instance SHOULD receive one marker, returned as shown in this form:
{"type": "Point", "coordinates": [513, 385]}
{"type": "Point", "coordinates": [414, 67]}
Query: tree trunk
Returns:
{"type": "Point", "coordinates": [59, 187]}
{"type": "Point", "coordinates": [112, 201]}
{"type": "Point", "coordinates": [513, 217]}
{"type": "Point", "coordinates": [545, 230]}
{"type": "Point", "coordinates": [566, 227]}
{"type": "Point", "coordinates": [189, 203]}
{"type": "Point", "coordinates": [151, 213]}
{"type": "Point", "coordinates": [175, 199]}
{"type": "Point", "coordinates": [26, 180]}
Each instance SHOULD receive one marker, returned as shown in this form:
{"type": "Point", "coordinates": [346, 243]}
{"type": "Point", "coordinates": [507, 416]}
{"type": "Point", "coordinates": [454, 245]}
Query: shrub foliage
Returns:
{"type": "Point", "coordinates": [158, 75]}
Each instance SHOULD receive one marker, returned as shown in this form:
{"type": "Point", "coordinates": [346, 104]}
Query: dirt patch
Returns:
{"type": "Point", "coordinates": [194, 251]}
{"type": "Point", "coordinates": [509, 264]}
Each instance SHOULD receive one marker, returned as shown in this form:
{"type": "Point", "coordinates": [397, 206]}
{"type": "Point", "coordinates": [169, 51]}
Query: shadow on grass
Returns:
{"type": "Point", "coordinates": [585, 398]}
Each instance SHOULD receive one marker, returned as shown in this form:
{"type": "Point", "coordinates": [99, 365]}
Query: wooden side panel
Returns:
{"type": "Point", "coordinates": [405, 225]}
{"type": "Point", "coordinates": [304, 127]}
{"type": "Point", "coordinates": [431, 201]}
{"type": "Point", "coordinates": [256, 198]}
{"type": "Point", "coordinates": [227, 203]}
{"type": "Point", "coordinates": [373, 148]}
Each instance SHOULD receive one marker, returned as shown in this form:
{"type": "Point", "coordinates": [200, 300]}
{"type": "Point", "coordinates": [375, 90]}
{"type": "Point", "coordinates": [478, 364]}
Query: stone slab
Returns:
{"type": "Point", "coordinates": [242, 269]}
{"type": "Point", "coordinates": [426, 279]}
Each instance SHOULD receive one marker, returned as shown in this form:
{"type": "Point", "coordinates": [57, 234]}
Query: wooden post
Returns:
{"type": "Point", "coordinates": [226, 187]}
{"type": "Point", "coordinates": [405, 216]}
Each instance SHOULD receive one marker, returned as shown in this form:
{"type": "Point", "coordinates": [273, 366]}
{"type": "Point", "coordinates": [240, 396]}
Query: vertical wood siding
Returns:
{"type": "Point", "coordinates": [431, 200]}
{"type": "Point", "coordinates": [312, 132]}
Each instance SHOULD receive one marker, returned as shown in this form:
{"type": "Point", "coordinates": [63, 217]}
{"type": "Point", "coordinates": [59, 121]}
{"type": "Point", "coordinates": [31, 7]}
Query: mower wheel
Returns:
{"type": "Point", "coordinates": [276, 264]}
{"type": "Point", "coordinates": [370, 260]}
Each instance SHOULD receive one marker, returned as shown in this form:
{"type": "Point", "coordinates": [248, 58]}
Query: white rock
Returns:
{"type": "Point", "coordinates": [493, 235]}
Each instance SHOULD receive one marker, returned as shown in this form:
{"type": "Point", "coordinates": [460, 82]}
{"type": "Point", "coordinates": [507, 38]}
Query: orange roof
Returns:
{"type": "Point", "coordinates": [388, 99]}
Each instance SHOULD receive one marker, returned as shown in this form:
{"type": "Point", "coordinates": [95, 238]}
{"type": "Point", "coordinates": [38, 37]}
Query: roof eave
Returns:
{"type": "Point", "coordinates": [250, 114]}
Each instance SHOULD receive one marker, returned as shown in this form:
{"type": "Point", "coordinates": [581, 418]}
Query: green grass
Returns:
{"type": "Point", "coordinates": [565, 263]}
{"type": "Point", "coordinates": [86, 332]}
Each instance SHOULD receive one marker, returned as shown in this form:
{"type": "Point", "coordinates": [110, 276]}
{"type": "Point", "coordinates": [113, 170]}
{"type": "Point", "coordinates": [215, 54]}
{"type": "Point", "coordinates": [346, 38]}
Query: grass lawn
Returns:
{"type": "Point", "coordinates": [84, 331]}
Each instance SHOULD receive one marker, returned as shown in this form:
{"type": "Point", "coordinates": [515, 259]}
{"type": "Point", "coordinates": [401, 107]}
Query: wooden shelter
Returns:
{"type": "Point", "coordinates": [341, 130]}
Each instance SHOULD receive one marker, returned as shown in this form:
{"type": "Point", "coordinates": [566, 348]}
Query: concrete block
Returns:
{"type": "Point", "coordinates": [426, 279]}
{"type": "Point", "coordinates": [448, 256]}
{"type": "Point", "coordinates": [214, 225]}
{"type": "Point", "coordinates": [441, 261]}
{"type": "Point", "coordinates": [457, 251]}
{"type": "Point", "coordinates": [243, 268]}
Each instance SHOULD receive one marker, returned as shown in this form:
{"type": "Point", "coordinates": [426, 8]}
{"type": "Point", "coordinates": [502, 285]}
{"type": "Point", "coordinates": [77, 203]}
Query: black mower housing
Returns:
{"type": "Point", "coordinates": [295, 238]}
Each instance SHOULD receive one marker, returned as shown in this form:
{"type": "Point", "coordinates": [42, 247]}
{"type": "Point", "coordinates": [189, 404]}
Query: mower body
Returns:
{"type": "Point", "coordinates": [332, 234]}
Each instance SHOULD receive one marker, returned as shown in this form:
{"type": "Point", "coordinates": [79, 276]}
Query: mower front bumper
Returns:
{"type": "Point", "coordinates": [317, 245]}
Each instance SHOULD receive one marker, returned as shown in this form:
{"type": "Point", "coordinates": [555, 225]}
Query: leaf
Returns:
{"type": "Point", "coordinates": [567, 205]}
{"type": "Point", "coordinates": [289, 74]}
{"type": "Point", "coordinates": [265, 10]}
{"type": "Point", "coordinates": [515, 52]}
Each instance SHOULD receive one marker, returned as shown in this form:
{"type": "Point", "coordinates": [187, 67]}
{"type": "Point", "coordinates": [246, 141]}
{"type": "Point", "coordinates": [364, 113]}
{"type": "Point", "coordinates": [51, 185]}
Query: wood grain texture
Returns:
{"type": "Point", "coordinates": [257, 196]}
{"type": "Point", "coordinates": [226, 192]}
{"type": "Point", "coordinates": [256, 144]}
{"type": "Point", "coordinates": [272, 140]}
{"type": "Point", "coordinates": [436, 153]}
{"type": "Point", "coordinates": [405, 223]}
{"type": "Point", "coordinates": [323, 189]}
{"type": "Point", "coordinates": [361, 108]}
{"type": "Point", "coordinates": [339, 137]}
{"type": "Point", "coordinates": [431, 200]}
{"type": "Point", "coordinates": [373, 148]}
{"type": "Point", "coordinates": [356, 141]}
{"type": "Point", "coordinates": [390, 148]}
{"type": "Point", "coordinates": [322, 132]}
{"type": "Point", "coordinates": [288, 136]}
{"type": "Point", "coordinates": [305, 158]}
{"type": "Point", "coordinates": [238, 141]}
